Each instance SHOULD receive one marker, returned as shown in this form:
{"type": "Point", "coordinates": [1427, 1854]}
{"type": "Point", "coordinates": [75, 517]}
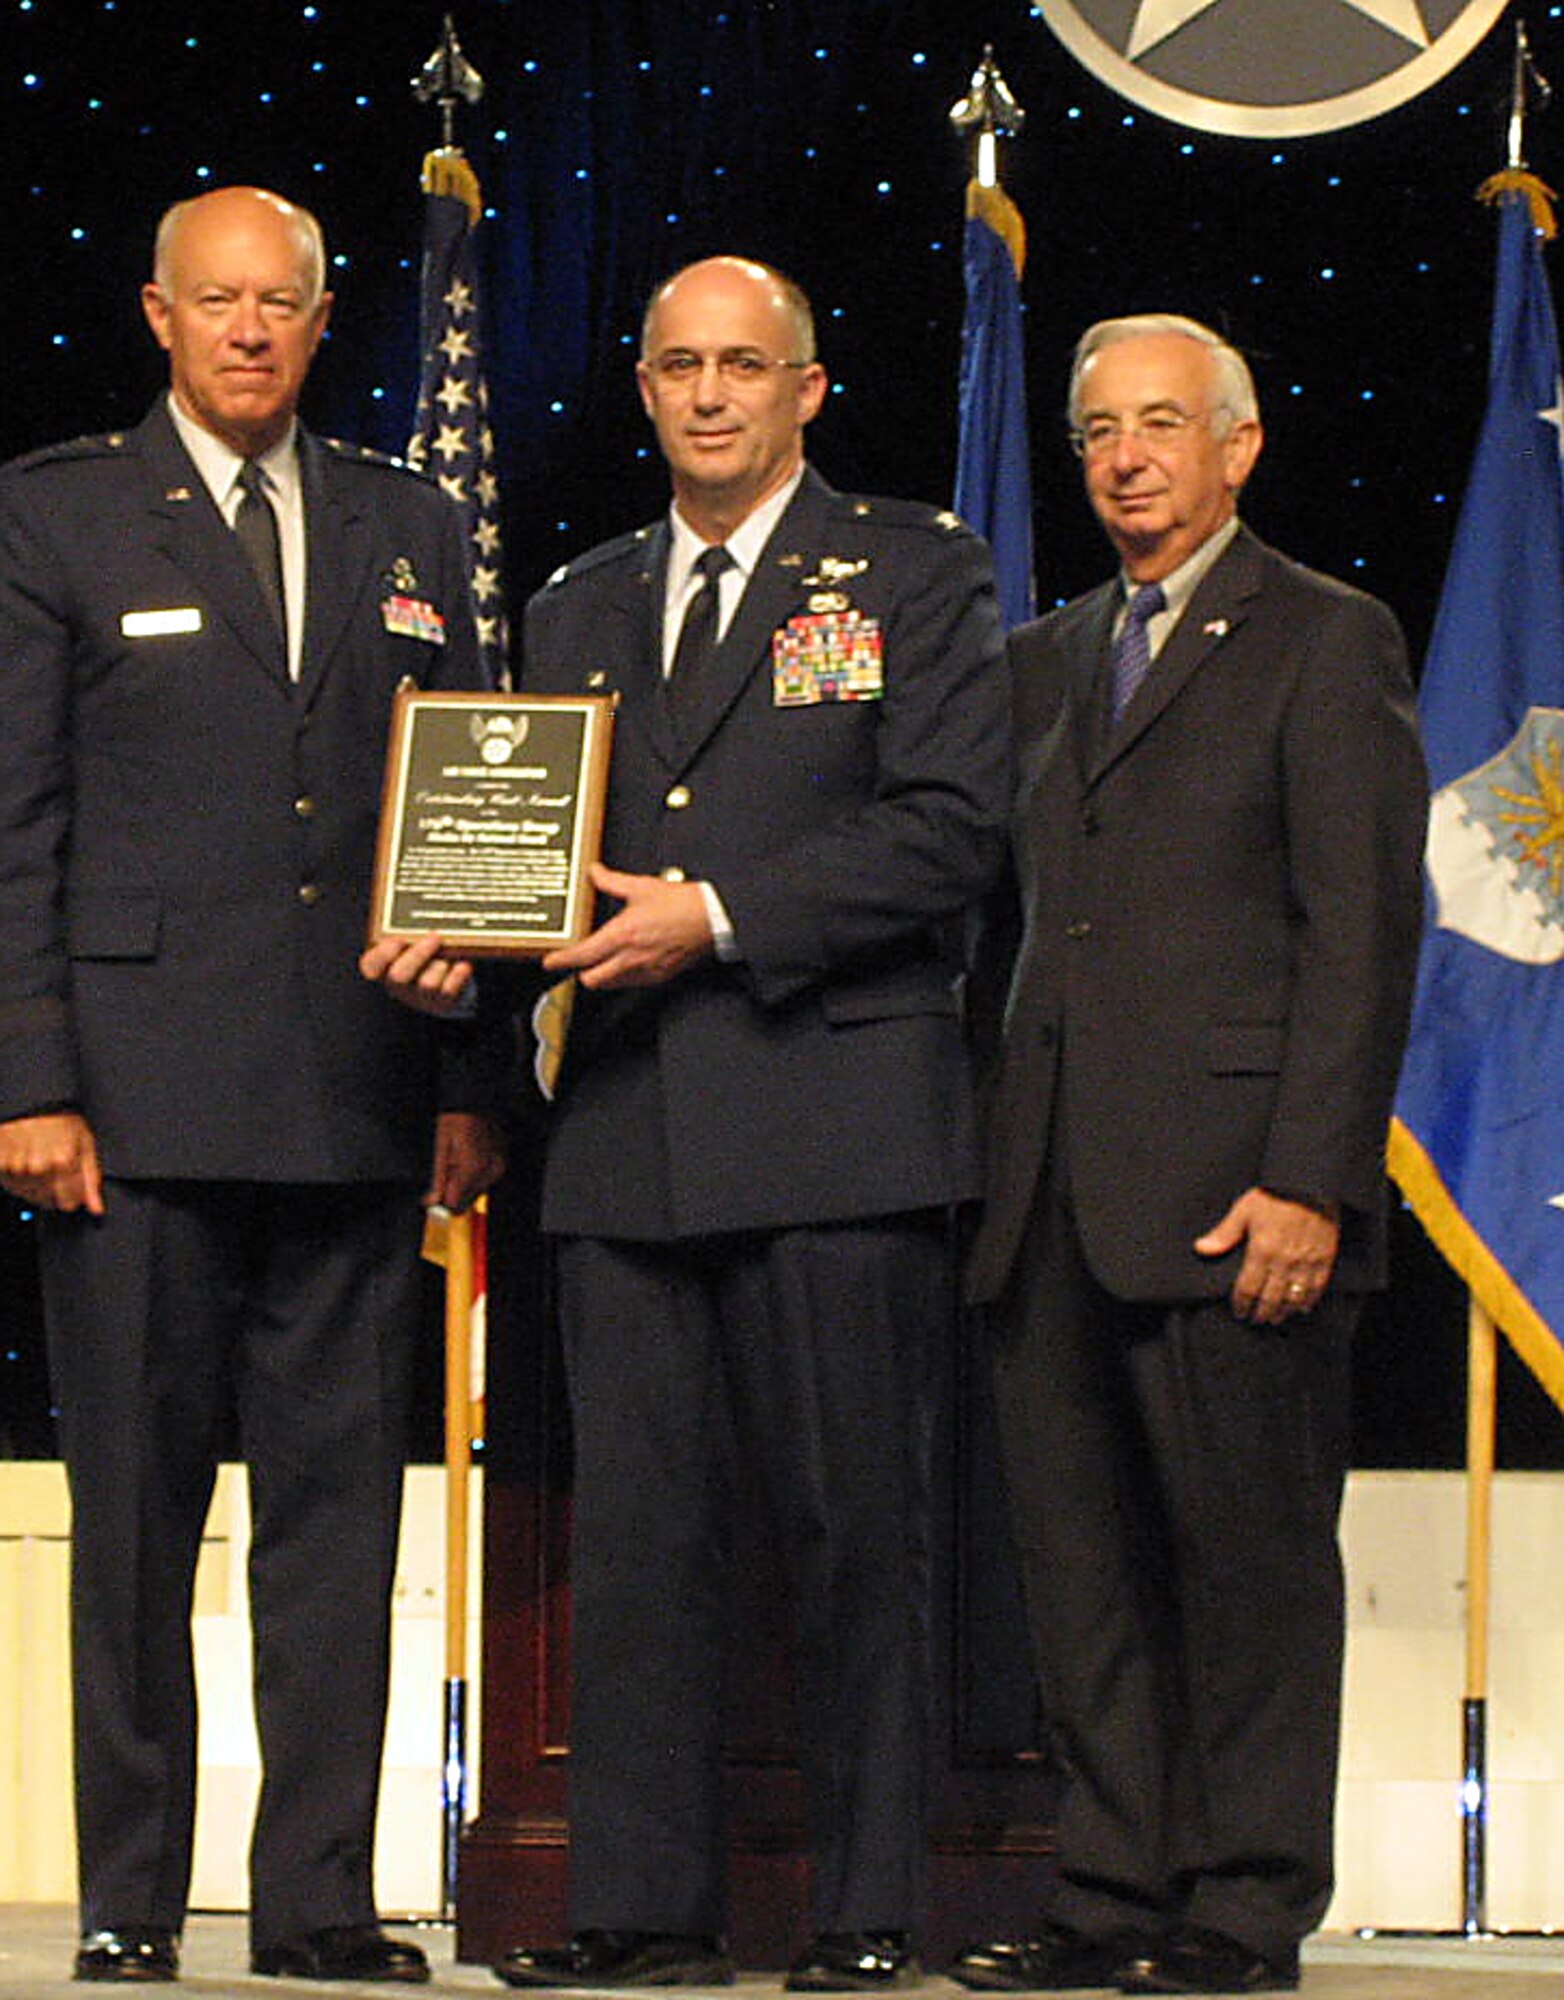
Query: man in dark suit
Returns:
{"type": "Point", "coordinates": [226, 1131]}
{"type": "Point", "coordinates": [761, 1127]}
{"type": "Point", "coordinates": [1218, 833]}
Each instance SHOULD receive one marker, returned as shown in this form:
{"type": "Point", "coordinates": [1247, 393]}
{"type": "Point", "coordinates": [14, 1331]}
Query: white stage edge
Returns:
{"type": "Point", "coordinates": [1398, 1836]}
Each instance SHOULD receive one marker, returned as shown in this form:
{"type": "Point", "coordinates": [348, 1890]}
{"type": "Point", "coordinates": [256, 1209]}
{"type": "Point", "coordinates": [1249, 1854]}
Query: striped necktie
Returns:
{"type": "Point", "coordinates": [1132, 648]}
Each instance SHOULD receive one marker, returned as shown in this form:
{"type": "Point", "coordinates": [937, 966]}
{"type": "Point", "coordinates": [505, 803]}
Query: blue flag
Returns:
{"type": "Point", "coordinates": [993, 472]}
{"type": "Point", "coordinates": [1477, 1141]}
{"type": "Point", "coordinates": [451, 440]}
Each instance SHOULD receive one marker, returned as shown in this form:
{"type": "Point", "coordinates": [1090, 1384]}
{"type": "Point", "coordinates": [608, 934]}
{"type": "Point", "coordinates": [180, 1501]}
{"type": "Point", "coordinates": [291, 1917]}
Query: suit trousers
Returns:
{"type": "Point", "coordinates": [288, 1313]}
{"type": "Point", "coordinates": [812, 1354]}
{"type": "Point", "coordinates": [1176, 1477]}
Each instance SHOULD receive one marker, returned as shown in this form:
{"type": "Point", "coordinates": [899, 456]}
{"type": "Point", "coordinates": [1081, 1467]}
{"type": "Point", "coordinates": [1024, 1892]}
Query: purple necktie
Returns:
{"type": "Point", "coordinates": [1132, 648]}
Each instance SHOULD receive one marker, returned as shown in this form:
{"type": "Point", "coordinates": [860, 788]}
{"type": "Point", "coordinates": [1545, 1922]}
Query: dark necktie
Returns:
{"type": "Point", "coordinates": [698, 634]}
{"type": "Point", "coordinates": [256, 526]}
{"type": "Point", "coordinates": [1132, 648]}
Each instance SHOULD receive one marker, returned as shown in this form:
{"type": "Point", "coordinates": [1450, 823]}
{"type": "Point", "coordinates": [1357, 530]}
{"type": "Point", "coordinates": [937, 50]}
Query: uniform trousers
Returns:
{"type": "Point", "coordinates": [1176, 1477]}
{"type": "Point", "coordinates": [189, 1311]}
{"type": "Point", "coordinates": [814, 1354]}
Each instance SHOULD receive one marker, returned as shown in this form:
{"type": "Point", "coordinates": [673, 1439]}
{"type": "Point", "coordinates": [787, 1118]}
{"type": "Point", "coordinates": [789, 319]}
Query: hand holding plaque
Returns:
{"type": "Point", "coordinates": [491, 817]}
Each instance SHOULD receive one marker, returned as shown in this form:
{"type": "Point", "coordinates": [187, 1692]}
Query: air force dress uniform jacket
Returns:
{"type": "Point", "coordinates": [188, 834]}
{"type": "Point", "coordinates": [841, 778]}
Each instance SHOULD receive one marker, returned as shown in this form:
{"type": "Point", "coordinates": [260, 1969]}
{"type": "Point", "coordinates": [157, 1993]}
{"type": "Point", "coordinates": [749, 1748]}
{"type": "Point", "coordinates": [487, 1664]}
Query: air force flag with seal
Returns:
{"type": "Point", "coordinates": [1477, 1141]}
{"type": "Point", "coordinates": [1269, 68]}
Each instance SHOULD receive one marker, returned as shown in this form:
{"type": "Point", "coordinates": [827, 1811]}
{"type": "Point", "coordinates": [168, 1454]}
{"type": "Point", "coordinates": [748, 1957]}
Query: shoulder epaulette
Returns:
{"type": "Point", "coordinates": [102, 444]}
{"type": "Point", "coordinates": [605, 552]}
{"type": "Point", "coordinates": [900, 513]}
{"type": "Point", "coordinates": [363, 454]}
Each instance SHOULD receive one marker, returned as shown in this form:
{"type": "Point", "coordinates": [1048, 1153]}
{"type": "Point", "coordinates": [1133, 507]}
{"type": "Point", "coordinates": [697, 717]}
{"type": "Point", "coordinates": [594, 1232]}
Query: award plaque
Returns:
{"type": "Point", "coordinates": [492, 814]}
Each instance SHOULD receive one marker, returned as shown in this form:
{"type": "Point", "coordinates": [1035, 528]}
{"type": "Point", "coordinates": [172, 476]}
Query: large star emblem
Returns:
{"type": "Point", "coordinates": [1270, 68]}
{"type": "Point", "coordinates": [1157, 19]}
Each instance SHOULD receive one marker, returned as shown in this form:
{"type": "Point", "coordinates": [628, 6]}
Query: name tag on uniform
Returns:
{"type": "Point", "coordinates": [412, 618]}
{"type": "Point", "coordinates": [827, 656]}
{"type": "Point", "coordinates": [160, 624]}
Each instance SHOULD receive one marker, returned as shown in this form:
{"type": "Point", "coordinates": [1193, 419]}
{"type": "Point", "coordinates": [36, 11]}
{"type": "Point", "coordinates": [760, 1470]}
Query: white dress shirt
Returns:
{"type": "Point", "coordinates": [219, 466]}
{"type": "Point", "coordinates": [685, 550]}
{"type": "Point", "coordinates": [1177, 589]}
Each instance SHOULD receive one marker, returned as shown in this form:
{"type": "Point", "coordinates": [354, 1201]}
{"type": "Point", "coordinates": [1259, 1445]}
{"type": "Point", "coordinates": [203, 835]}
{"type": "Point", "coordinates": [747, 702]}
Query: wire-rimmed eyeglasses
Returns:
{"type": "Point", "coordinates": [1159, 429]}
{"type": "Point", "coordinates": [739, 367]}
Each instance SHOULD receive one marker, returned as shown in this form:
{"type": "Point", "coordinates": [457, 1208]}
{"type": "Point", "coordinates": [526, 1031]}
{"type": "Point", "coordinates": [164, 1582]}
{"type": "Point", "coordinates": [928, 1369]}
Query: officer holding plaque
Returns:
{"type": "Point", "coordinates": [761, 1127]}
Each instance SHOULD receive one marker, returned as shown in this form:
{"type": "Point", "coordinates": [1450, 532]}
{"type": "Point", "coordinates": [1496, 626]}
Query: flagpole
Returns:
{"type": "Point", "coordinates": [993, 476]}
{"type": "Point", "coordinates": [1525, 77]}
{"type": "Point", "coordinates": [1482, 1375]}
{"type": "Point", "coordinates": [1481, 1404]}
{"type": "Point", "coordinates": [458, 1470]}
{"type": "Point", "coordinates": [448, 79]}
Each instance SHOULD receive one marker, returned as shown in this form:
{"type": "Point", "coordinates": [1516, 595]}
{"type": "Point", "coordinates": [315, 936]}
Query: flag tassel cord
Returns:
{"type": "Point", "coordinates": [447, 171]}
{"type": "Point", "coordinates": [1538, 195]}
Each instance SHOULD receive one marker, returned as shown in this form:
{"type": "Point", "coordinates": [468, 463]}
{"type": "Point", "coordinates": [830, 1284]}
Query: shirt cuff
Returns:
{"type": "Point", "coordinates": [725, 944]}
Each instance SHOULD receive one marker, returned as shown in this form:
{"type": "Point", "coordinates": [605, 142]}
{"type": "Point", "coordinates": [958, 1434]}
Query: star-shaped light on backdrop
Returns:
{"type": "Point", "coordinates": [1158, 19]}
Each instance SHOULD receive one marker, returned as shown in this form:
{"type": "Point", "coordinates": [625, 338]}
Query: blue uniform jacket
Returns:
{"type": "Point", "coordinates": [187, 837]}
{"type": "Point", "coordinates": [843, 783]}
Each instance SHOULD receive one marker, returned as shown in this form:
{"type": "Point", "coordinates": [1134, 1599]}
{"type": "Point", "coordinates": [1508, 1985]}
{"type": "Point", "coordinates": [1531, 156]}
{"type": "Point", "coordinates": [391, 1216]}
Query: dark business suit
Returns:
{"type": "Point", "coordinates": [750, 1172]}
{"type": "Point", "coordinates": [1220, 901]}
{"type": "Point", "coordinates": [187, 837]}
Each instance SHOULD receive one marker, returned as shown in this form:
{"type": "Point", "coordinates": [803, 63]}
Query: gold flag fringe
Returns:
{"type": "Point", "coordinates": [446, 171]}
{"type": "Point", "coordinates": [1472, 1261]}
{"type": "Point", "coordinates": [1516, 180]}
{"type": "Point", "coordinates": [993, 206]}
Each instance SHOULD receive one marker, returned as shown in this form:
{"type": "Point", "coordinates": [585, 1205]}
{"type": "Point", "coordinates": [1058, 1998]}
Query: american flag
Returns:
{"type": "Point", "coordinates": [451, 440]}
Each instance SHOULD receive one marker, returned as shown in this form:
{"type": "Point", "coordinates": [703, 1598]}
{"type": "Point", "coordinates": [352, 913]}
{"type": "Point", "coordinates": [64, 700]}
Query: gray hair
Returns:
{"type": "Point", "coordinates": [1235, 385]}
{"type": "Point", "coordinates": [306, 231]}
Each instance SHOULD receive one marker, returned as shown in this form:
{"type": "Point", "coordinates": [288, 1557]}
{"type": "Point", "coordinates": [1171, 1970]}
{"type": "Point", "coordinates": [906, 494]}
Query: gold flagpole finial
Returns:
{"type": "Point", "coordinates": [989, 110]}
{"type": "Point", "coordinates": [1525, 77]}
{"type": "Point", "coordinates": [1527, 82]}
{"type": "Point", "coordinates": [448, 79]}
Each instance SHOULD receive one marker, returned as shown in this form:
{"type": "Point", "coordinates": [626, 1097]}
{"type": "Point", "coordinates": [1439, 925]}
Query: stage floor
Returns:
{"type": "Point", "coordinates": [36, 1942]}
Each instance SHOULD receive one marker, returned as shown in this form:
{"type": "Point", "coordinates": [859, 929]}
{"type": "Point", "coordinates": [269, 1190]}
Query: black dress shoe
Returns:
{"type": "Point", "coordinates": [1191, 1960]}
{"type": "Point", "coordinates": [129, 1951]}
{"type": "Point", "coordinates": [619, 1958]}
{"type": "Point", "coordinates": [854, 1962]}
{"type": "Point", "coordinates": [1055, 1959]}
{"type": "Point", "coordinates": [343, 1951]}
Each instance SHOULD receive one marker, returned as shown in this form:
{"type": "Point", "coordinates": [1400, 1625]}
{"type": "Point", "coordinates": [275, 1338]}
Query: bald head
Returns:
{"type": "Point", "coordinates": [235, 202]}
{"type": "Point", "coordinates": [237, 300]}
{"type": "Point", "coordinates": [788, 297]}
{"type": "Point", "coordinates": [729, 379]}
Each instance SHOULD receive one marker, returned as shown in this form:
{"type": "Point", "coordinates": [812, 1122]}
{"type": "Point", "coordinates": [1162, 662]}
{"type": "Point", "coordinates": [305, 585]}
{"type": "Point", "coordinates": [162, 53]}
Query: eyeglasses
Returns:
{"type": "Point", "coordinates": [1158, 430]}
{"type": "Point", "coordinates": [739, 367]}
